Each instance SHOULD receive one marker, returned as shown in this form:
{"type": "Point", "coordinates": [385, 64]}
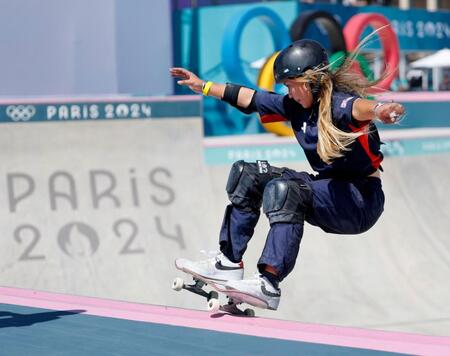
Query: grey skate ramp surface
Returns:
{"type": "Point", "coordinates": [396, 276]}
{"type": "Point", "coordinates": [103, 208]}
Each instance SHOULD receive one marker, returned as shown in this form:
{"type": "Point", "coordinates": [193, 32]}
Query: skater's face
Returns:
{"type": "Point", "coordinates": [300, 92]}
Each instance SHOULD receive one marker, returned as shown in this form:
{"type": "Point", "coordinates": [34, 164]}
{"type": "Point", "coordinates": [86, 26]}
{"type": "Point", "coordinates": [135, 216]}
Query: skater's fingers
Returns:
{"type": "Point", "coordinates": [179, 75]}
{"type": "Point", "coordinates": [396, 107]}
{"type": "Point", "coordinates": [390, 113]}
{"type": "Point", "coordinates": [185, 82]}
{"type": "Point", "coordinates": [400, 109]}
{"type": "Point", "coordinates": [181, 69]}
{"type": "Point", "coordinates": [182, 76]}
{"type": "Point", "coordinates": [396, 112]}
{"type": "Point", "coordinates": [180, 72]}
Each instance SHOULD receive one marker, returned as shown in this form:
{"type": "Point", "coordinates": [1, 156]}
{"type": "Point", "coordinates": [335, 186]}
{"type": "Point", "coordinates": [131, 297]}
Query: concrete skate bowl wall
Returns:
{"type": "Point", "coordinates": [98, 196]}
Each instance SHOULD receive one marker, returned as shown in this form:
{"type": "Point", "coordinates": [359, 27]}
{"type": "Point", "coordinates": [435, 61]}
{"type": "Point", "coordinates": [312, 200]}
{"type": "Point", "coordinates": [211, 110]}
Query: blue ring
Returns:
{"type": "Point", "coordinates": [231, 59]}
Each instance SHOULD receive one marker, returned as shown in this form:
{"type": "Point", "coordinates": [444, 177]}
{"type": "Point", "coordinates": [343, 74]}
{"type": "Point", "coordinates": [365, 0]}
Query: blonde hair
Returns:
{"type": "Point", "coordinates": [333, 142]}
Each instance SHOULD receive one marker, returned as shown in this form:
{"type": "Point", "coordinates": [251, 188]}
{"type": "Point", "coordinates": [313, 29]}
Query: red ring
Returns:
{"type": "Point", "coordinates": [352, 33]}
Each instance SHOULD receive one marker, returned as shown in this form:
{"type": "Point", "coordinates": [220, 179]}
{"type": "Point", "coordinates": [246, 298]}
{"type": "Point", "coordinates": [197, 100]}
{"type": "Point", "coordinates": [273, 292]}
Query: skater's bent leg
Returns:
{"type": "Point", "coordinates": [285, 203]}
{"type": "Point", "coordinates": [245, 187]}
{"type": "Point", "coordinates": [237, 230]}
{"type": "Point", "coordinates": [280, 251]}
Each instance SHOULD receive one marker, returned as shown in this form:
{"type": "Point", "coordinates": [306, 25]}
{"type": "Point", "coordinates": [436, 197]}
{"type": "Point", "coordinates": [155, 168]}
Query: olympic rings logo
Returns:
{"type": "Point", "coordinates": [342, 41]}
{"type": "Point", "coordinates": [20, 112]}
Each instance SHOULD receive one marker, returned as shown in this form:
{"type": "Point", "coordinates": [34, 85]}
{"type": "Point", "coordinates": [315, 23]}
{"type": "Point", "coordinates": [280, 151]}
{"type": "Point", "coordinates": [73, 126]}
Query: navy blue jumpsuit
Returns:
{"type": "Point", "coordinates": [344, 199]}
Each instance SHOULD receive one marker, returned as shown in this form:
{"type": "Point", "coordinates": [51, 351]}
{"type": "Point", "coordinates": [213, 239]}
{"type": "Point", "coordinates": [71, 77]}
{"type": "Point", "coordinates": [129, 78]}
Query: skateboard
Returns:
{"type": "Point", "coordinates": [235, 297]}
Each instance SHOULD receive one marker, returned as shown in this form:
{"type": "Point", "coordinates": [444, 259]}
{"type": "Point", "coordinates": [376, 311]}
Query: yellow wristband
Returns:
{"type": "Point", "coordinates": [206, 88]}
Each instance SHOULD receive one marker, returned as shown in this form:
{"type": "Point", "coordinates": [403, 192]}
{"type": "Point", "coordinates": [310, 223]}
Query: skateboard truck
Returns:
{"type": "Point", "coordinates": [212, 297]}
{"type": "Point", "coordinates": [232, 308]}
{"type": "Point", "coordinates": [196, 288]}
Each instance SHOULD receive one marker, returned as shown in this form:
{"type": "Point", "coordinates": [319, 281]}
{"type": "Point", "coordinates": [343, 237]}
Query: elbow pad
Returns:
{"type": "Point", "coordinates": [231, 94]}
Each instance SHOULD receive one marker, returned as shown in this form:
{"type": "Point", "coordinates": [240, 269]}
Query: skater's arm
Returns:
{"type": "Point", "coordinates": [270, 106]}
{"type": "Point", "coordinates": [238, 96]}
{"type": "Point", "coordinates": [367, 110]}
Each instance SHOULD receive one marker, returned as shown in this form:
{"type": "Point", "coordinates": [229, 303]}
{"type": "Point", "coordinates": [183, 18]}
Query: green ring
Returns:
{"type": "Point", "coordinates": [337, 59]}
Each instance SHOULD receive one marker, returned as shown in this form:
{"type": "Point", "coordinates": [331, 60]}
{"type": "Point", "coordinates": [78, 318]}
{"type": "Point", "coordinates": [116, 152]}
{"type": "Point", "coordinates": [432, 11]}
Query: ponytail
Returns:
{"type": "Point", "coordinates": [332, 142]}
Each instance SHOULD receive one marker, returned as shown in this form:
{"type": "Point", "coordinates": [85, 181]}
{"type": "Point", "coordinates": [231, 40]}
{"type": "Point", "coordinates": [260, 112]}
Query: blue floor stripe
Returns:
{"type": "Point", "coordinates": [33, 331]}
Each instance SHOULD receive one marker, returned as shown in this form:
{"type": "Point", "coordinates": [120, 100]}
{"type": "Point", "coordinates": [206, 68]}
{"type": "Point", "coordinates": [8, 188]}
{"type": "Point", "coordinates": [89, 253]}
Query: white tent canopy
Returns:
{"type": "Point", "coordinates": [440, 59]}
{"type": "Point", "coordinates": [436, 61]}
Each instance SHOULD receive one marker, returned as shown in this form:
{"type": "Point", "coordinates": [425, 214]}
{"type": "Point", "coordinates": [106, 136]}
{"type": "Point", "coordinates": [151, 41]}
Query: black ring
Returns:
{"type": "Point", "coordinates": [329, 23]}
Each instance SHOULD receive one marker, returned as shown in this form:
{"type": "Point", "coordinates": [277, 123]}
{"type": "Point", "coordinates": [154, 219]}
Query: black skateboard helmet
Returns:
{"type": "Point", "coordinates": [298, 57]}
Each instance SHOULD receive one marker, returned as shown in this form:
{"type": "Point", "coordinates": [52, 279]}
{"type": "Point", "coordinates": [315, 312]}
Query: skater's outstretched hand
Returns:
{"type": "Point", "coordinates": [188, 79]}
{"type": "Point", "coordinates": [389, 113]}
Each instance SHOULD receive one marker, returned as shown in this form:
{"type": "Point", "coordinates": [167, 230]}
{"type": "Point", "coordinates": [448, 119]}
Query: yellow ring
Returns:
{"type": "Point", "coordinates": [266, 81]}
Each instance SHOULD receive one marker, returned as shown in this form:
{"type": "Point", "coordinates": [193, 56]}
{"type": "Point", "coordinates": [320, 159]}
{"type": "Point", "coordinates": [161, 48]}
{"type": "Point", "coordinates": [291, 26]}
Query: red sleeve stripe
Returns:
{"type": "Point", "coordinates": [364, 141]}
{"type": "Point", "coordinates": [268, 118]}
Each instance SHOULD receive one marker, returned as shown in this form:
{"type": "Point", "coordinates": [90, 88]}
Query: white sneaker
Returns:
{"type": "Point", "coordinates": [260, 288]}
{"type": "Point", "coordinates": [218, 268]}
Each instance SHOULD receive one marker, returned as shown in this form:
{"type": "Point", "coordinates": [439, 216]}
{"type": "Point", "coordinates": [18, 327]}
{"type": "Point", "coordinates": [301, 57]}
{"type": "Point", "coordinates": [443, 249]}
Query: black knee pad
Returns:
{"type": "Point", "coordinates": [286, 201]}
{"type": "Point", "coordinates": [246, 183]}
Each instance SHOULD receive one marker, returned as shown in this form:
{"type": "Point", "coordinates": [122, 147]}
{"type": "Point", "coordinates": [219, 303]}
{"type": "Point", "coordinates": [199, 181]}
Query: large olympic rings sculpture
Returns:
{"type": "Point", "coordinates": [342, 41]}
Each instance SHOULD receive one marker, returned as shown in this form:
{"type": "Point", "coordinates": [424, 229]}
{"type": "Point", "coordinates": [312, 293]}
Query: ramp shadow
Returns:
{"type": "Point", "coordinates": [9, 319]}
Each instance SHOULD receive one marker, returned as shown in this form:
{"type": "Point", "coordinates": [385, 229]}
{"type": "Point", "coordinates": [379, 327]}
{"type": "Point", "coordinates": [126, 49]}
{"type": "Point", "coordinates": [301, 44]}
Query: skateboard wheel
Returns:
{"type": "Point", "coordinates": [177, 284]}
{"type": "Point", "coordinates": [213, 305]}
{"type": "Point", "coordinates": [213, 295]}
{"type": "Point", "coordinates": [249, 312]}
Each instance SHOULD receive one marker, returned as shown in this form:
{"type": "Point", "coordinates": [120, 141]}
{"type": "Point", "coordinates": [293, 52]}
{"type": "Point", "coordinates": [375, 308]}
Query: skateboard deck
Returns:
{"type": "Point", "coordinates": [235, 297]}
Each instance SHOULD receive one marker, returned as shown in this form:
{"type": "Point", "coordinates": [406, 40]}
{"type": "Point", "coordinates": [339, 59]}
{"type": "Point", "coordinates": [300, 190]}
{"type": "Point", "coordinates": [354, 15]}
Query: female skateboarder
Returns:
{"type": "Point", "coordinates": [333, 123]}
